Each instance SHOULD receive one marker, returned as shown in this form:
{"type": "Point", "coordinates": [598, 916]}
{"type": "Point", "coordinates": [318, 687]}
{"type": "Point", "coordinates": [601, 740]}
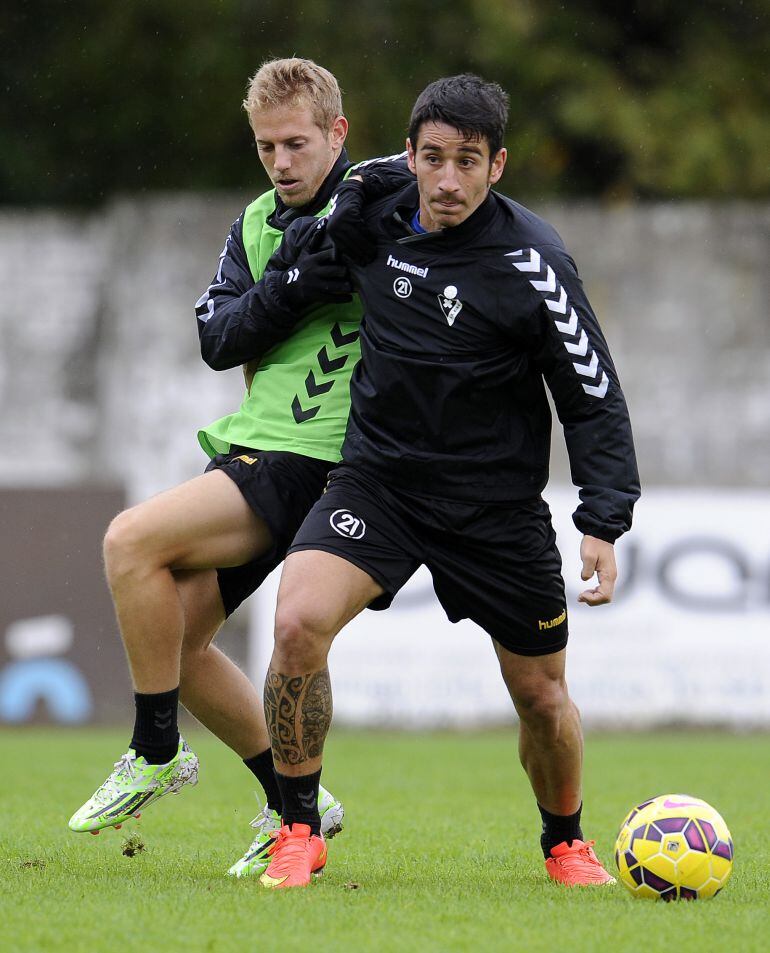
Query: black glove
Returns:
{"type": "Point", "coordinates": [345, 223]}
{"type": "Point", "coordinates": [317, 277]}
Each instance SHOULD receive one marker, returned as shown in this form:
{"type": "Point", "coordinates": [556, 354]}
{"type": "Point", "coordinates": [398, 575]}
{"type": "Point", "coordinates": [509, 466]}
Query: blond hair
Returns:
{"type": "Point", "coordinates": [294, 82]}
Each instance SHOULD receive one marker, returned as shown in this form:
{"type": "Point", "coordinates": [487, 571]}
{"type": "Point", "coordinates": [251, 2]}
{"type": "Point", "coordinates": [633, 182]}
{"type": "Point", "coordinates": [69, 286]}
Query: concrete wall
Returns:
{"type": "Point", "coordinates": [100, 376]}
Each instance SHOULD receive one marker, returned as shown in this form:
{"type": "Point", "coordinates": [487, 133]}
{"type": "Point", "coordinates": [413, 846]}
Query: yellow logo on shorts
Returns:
{"type": "Point", "coordinates": [247, 459]}
{"type": "Point", "coordinates": [552, 623]}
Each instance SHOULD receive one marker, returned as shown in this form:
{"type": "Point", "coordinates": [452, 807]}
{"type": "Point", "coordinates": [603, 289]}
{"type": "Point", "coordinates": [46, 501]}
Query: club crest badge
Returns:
{"type": "Point", "coordinates": [450, 304]}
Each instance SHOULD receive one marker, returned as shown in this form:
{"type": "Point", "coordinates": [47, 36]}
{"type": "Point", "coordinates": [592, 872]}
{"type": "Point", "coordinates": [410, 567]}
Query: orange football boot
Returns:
{"type": "Point", "coordinates": [577, 866]}
{"type": "Point", "coordinates": [295, 856]}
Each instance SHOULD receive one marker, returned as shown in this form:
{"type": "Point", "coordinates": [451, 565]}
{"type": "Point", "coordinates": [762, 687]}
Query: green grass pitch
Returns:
{"type": "Point", "coordinates": [439, 853]}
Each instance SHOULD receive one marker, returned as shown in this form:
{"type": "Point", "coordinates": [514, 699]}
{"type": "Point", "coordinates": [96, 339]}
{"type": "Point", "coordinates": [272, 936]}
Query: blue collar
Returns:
{"type": "Point", "coordinates": [415, 223]}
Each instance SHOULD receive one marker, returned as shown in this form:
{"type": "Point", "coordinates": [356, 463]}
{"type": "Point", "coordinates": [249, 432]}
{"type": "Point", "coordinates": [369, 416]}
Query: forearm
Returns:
{"type": "Point", "coordinates": [603, 467]}
{"type": "Point", "coordinates": [242, 329]}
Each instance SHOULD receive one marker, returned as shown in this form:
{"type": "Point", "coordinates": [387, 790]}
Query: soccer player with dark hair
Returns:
{"type": "Point", "coordinates": [180, 563]}
{"type": "Point", "coordinates": [471, 306]}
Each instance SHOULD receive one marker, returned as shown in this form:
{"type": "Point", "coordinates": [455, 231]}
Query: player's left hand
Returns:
{"type": "Point", "coordinates": [345, 223]}
{"type": "Point", "coordinates": [598, 557]}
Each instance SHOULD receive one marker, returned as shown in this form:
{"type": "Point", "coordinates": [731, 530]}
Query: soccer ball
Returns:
{"type": "Point", "coordinates": [674, 847]}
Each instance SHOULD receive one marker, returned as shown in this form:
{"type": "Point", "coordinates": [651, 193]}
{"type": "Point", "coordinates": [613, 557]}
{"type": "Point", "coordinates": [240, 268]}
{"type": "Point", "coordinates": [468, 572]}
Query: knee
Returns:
{"type": "Point", "coordinates": [302, 639]}
{"type": "Point", "coordinates": [192, 670]}
{"type": "Point", "coordinates": [198, 651]}
{"type": "Point", "coordinates": [191, 658]}
{"type": "Point", "coordinates": [541, 704]}
{"type": "Point", "coordinates": [123, 546]}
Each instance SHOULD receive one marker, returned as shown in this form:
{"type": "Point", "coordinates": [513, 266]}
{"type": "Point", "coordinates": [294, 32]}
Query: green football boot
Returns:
{"type": "Point", "coordinates": [256, 859]}
{"type": "Point", "coordinates": [132, 787]}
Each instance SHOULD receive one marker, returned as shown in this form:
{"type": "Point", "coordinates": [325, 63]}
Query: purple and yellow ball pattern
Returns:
{"type": "Point", "coordinates": [674, 847]}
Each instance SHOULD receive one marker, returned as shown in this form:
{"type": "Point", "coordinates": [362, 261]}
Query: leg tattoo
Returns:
{"type": "Point", "coordinates": [298, 710]}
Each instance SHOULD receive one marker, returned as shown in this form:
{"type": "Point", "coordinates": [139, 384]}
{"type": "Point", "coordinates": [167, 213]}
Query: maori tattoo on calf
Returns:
{"type": "Point", "coordinates": [298, 710]}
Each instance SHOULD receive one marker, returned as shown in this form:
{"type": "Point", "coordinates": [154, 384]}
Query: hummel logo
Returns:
{"type": "Point", "coordinates": [405, 266]}
{"type": "Point", "coordinates": [308, 801]}
{"type": "Point", "coordinates": [163, 719]}
{"type": "Point", "coordinates": [552, 623]}
{"type": "Point", "coordinates": [293, 275]}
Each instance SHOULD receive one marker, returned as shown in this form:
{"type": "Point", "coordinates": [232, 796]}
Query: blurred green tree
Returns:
{"type": "Point", "coordinates": [661, 99]}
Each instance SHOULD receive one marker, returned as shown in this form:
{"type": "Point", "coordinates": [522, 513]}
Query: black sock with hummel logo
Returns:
{"type": "Point", "coordinates": [300, 800]}
{"type": "Point", "coordinates": [156, 734]}
{"type": "Point", "coordinates": [558, 828]}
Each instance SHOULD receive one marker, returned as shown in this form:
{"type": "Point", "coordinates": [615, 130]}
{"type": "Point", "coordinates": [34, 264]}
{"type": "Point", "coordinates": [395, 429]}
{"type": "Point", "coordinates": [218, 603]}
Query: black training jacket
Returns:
{"type": "Point", "coordinates": [462, 328]}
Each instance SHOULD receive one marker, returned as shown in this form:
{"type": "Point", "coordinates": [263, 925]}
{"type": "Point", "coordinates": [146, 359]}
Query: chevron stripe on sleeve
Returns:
{"type": "Point", "coordinates": [574, 338]}
{"type": "Point", "coordinates": [360, 166]}
{"type": "Point", "coordinates": [204, 306]}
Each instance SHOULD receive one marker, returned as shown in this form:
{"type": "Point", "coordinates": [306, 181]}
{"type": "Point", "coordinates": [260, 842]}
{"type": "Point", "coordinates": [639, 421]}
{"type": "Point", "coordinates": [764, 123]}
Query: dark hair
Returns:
{"type": "Point", "coordinates": [475, 108]}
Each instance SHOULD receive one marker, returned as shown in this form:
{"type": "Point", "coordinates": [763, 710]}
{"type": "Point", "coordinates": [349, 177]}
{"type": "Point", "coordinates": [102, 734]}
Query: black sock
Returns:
{"type": "Point", "coordinates": [558, 828]}
{"type": "Point", "coordinates": [300, 800]}
{"type": "Point", "coordinates": [261, 766]}
{"type": "Point", "coordinates": [156, 735]}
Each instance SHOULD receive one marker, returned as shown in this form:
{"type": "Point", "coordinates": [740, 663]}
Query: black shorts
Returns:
{"type": "Point", "coordinates": [496, 564]}
{"type": "Point", "coordinates": [280, 488]}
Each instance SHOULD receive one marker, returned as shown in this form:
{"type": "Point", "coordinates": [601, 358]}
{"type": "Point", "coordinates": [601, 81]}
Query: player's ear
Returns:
{"type": "Point", "coordinates": [497, 165]}
{"type": "Point", "coordinates": [339, 131]}
{"type": "Point", "coordinates": [410, 157]}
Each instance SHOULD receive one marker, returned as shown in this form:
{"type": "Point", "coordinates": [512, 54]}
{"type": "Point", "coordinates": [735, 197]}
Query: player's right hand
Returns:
{"type": "Point", "coordinates": [317, 277]}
